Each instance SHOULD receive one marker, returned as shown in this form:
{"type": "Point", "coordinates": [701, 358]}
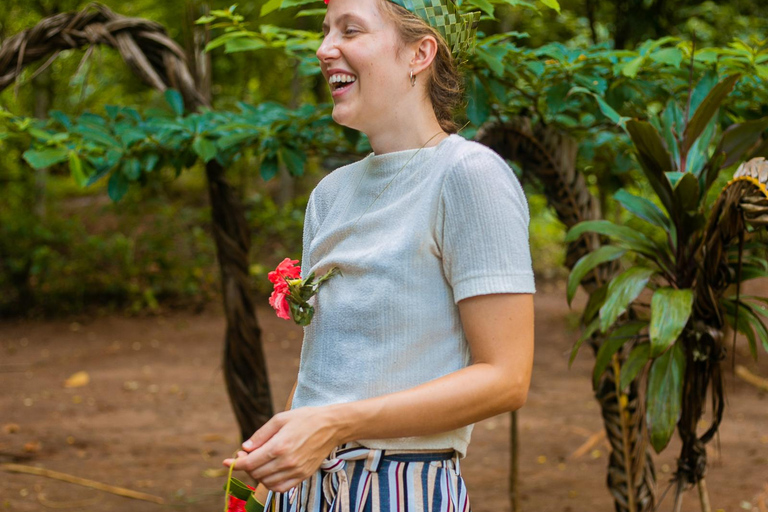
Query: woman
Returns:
{"type": "Point", "coordinates": [429, 329]}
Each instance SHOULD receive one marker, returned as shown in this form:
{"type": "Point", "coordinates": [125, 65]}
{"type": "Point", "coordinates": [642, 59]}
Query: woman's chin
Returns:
{"type": "Point", "coordinates": [342, 117]}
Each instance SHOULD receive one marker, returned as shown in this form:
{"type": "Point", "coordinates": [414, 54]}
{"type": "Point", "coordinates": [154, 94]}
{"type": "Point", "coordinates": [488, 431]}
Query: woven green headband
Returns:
{"type": "Point", "coordinates": [458, 30]}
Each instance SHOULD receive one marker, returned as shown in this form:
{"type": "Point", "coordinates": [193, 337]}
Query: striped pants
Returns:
{"type": "Point", "coordinates": [359, 479]}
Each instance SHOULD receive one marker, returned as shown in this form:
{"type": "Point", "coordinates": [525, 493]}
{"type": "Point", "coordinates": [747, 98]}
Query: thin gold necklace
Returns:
{"type": "Point", "coordinates": [388, 184]}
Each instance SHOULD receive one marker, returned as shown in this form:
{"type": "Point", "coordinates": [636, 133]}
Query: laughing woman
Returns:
{"type": "Point", "coordinates": [429, 329]}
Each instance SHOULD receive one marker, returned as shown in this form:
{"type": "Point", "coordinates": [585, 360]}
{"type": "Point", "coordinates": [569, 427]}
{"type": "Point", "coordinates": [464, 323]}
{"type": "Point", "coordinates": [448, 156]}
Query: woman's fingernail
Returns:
{"type": "Point", "coordinates": [248, 444]}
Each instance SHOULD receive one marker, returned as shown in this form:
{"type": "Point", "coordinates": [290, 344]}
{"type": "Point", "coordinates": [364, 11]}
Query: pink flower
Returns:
{"type": "Point", "coordinates": [279, 302]}
{"type": "Point", "coordinates": [288, 284]}
{"type": "Point", "coordinates": [285, 269]}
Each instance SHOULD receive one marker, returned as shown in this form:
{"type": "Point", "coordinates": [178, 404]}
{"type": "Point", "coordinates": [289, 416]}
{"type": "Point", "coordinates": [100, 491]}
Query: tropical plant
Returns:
{"type": "Point", "coordinates": [687, 254]}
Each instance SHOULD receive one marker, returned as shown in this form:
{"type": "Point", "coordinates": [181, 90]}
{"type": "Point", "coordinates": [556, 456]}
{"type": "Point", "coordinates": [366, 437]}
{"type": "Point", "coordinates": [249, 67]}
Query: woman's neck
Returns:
{"type": "Point", "coordinates": [400, 140]}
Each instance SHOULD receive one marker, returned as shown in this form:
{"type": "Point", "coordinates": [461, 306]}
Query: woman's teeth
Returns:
{"type": "Point", "coordinates": [339, 81]}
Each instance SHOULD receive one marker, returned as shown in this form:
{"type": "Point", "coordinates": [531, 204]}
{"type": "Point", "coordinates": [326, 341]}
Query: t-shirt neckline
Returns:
{"type": "Point", "coordinates": [393, 154]}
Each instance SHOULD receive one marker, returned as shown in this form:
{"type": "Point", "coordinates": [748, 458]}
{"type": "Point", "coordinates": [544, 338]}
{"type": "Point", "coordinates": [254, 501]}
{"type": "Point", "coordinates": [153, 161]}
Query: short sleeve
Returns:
{"type": "Point", "coordinates": [482, 226]}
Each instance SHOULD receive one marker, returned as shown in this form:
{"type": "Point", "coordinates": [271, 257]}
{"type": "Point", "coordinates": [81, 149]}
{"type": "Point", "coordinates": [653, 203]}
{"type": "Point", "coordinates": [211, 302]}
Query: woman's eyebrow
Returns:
{"type": "Point", "coordinates": [342, 18]}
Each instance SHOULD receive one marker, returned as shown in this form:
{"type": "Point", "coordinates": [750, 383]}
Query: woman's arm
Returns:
{"type": "Point", "coordinates": [499, 330]}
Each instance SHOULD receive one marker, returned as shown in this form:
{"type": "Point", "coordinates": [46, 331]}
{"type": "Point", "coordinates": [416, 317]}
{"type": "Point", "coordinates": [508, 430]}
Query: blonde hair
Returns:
{"type": "Point", "coordinates": [444, 84]}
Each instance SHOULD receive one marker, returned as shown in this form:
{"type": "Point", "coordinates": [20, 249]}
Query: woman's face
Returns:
{"type": "Point", "coordinates": [359, 42]}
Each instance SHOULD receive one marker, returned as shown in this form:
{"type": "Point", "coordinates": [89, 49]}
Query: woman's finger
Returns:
{"type": "Point", "coordinates": [264, 434]}
{"type": "Point", "coordinates": [283, 481]}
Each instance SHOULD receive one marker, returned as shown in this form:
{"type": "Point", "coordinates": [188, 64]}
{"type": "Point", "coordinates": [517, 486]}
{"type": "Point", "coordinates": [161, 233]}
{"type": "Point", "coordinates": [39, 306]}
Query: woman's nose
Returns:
{"type": "Point", "coordinates": [327, 49]}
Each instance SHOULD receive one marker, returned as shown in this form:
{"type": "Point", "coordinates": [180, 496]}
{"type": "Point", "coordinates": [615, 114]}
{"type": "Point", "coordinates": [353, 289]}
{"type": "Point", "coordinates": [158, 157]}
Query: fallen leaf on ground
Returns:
{"type": "Point", "coordinates": [32, 447]}
{"type": "Point", "coordinates": [11, 428]}
{"type": "Point", "coordinates": [77, 380]}
{"type": "Point", "coordinates": [215, 473]}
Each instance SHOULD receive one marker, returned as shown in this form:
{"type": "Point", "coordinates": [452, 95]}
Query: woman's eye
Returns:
{"type": "Point", "coordinates": [350, 31]}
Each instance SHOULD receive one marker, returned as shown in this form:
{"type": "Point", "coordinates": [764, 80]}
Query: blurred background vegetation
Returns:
{"type": "Point", "coordinates": [66, 250]}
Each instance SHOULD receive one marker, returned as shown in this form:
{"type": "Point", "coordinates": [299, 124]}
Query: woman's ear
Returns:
{"type": "Point", "coordinates": [424, 52]}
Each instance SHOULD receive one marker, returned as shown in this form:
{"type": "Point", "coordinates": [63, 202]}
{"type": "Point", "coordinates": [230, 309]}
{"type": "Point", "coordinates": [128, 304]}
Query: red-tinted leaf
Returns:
{"type": "Point", "coordinates": [706, 110]}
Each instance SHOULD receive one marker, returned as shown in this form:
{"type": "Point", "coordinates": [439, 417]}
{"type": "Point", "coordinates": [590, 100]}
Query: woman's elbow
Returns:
{"type": "Point", "coordinates": [515, 394]}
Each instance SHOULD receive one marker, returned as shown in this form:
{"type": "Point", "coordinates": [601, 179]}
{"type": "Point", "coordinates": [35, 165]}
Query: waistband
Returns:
{"type": "Point", "coordinates": [333, 478]}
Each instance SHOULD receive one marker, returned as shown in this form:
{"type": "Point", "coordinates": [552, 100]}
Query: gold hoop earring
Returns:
{"type": "Point", "coordinates": [413, 80]}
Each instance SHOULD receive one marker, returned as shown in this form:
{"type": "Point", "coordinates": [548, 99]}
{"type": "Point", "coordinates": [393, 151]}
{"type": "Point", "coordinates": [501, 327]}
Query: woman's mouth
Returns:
{"type": "Point", "coordinates": [340, 88]}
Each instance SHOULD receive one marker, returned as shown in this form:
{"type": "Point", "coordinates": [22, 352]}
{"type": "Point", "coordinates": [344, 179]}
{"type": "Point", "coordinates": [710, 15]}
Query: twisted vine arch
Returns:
{"type": "Point", "coordinates": [161, 63]}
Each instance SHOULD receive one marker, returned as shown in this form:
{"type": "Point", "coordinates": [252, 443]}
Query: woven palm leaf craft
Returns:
{"type": "Point", "coordinates": [458, 30]}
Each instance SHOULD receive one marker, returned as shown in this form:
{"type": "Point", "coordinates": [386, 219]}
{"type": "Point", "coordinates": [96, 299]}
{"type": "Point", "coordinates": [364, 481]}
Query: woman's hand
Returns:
{"type": "Point", "coordinates": [289, 448]}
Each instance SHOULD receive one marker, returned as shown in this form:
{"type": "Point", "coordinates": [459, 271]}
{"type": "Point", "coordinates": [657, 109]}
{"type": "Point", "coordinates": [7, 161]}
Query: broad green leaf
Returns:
{"type": "Point", "coordinates": [605, 108]}
{"type": "Point", "coordinates": [687, 192]}
{"type": "Point", "coordinates": [493, 57]}
{"type": "Point", "coordinates": [670, 311]}
{"type": "Point", "coordinates": [483, 5]}
{"type": "Point", "coordinates": [655, 161]}
{"type": "Point", "coordinates": [552, 4]}
{"type": "Point", "coordinates": [271, 5]}
{"type": "Point", "coordinates": [61, 117]}
{"type": "Point", "coordinates": [702, 88]}
{"type": "Point", "coordinates": [117, 186]}
{"type": "Point", "coordinates": [699, 152]}
{"type": "Point", "coordinates": [665, 395]}
{"type": "Point", "coordinates": [112, 111]}
{"type": "Point", "coordinates": [588, 332]}
{"type": "Point", "coordinates": [97, 134]}
{"type": "Point", "coordinates": [594, 303]}
{"type": "Point", "coordinates": [149, 161]}
{"type": "Point", "coordinates": [76, 168]}
{"type": "Point", "coordinates": [622, 290]}
{"type": "Point", "coordinates": [39, 134]}
{"type": "Point", "coordinates": [611, 345]}
{"type": "Point", "coordinates": [40, 159]}
{"type": "Point", "coordinates": [478, 108]}
{"type": "Point", "coordinates": [311, 12]}
{"type": "Point", "coordinates": [706, 110]}
{"type": "Point", "coordinates": [293, 159]}
{"type": "Point", "coordinates": [132, 168]}
{"type": "Point", "coordinates": [672, 120]}
{"type": "Point", "coordinates": [632, 67]}
{"type": "Point", "coordinates": [671, 56]}
{"type": "Point", "coordinates": [588, 262]}
{"type": "Point", "coordinates": [269, 167]}
{"type": "Point", "coordinates": [174, 99]}
{"type": "Point", "coordinates": [635, 362]}
{"type": "Point", "coordinates": [642, 208]}
{"type": "Point", "coordinates": [204, 148]}
{"type": "Point", "coordinates": [621, 235]}
{"type": "Point", "coordinates": [243, 44]}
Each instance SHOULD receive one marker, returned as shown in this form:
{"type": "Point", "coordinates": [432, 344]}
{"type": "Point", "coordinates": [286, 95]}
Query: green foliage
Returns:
{"type": "Point", "coordinates": [680, 155]}
{"type": "Point", "coordinates": [665, 394]}
{"type": "Point", "coordinates": [130, 147]}
{"type": "Point", "coordinates": [154, 252]}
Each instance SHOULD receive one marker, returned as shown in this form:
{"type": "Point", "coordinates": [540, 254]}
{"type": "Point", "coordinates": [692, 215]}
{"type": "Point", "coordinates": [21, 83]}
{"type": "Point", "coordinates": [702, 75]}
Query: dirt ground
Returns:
{"type": "Point", "coordinates": [154, 417]}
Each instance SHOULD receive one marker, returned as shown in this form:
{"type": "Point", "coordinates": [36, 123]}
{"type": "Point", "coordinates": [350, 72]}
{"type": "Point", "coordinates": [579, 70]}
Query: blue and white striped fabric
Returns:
{"type": "Point", "coordinates": [355, 478]}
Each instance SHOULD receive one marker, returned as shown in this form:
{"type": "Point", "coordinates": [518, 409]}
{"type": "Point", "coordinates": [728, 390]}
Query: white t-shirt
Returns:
{"type": "Point", "coordinates": [452, 224]}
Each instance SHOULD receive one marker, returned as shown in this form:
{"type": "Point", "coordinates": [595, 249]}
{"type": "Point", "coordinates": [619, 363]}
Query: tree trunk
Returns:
{"type": "Point", "coordinates": [245, 369]}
